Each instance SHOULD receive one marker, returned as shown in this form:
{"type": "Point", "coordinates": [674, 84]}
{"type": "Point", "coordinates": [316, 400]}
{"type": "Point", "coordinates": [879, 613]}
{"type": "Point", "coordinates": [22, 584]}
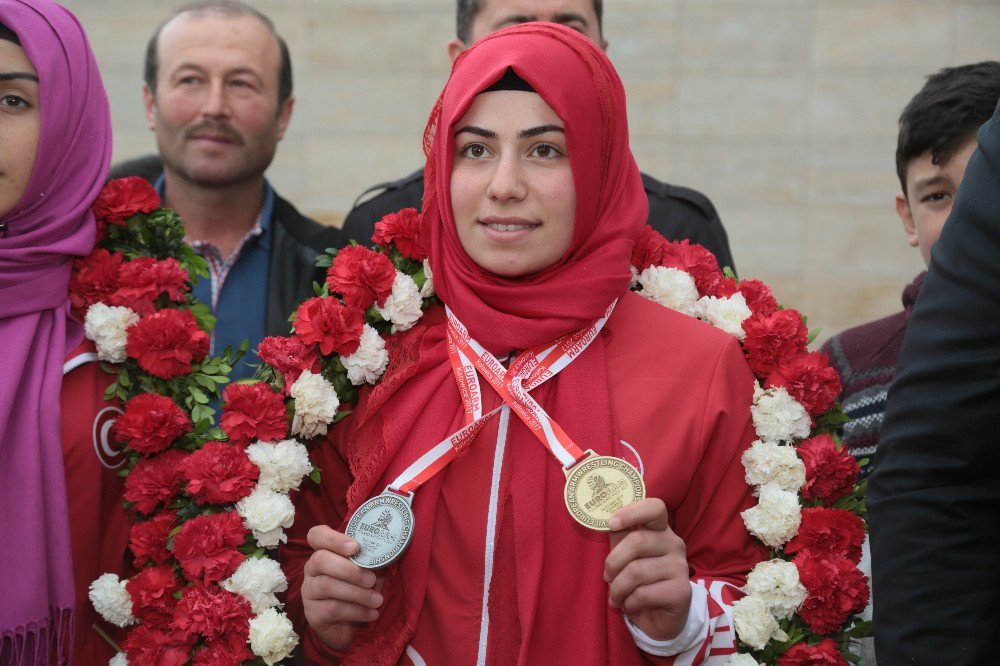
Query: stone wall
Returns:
{"type": "Point", "coordinates": [782, 111]}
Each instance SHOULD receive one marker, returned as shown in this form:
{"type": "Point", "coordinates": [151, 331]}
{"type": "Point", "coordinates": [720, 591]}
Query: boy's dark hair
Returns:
{"type": "Point", "coordinates": [232, 8]}
{"type": "Point", "coordinates": [946, 113]}
{"type": "Point", "coordinates": [466, 11]}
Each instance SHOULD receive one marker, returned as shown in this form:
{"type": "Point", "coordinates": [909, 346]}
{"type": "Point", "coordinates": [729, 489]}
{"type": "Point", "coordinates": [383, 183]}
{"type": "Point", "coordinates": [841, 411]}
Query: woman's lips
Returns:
{"type": "Point", "coordinates": [508, 228]}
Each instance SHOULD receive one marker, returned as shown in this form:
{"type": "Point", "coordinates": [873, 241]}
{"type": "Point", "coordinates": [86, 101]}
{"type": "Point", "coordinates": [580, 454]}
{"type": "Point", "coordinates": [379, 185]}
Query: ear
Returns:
{"type": "Point", "coordinates": [455, 47]}
{"type": "Point", "coordinates": [604, 44]}
{"type": "Point", "coordinates": [284, 116]}
{"type": "Point", "coordinates": [906, 215]}
{"type": "Point", "coordinates": [149, 103]}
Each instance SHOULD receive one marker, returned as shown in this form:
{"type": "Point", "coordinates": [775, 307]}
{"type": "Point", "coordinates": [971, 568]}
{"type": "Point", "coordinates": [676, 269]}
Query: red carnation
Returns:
{"type": "Point", "coordinates": [290, 356]}
{"type": "Point", "coordinates": [124, 197]}
{"type": "Point", "coordinates": [226, 651]}
{"type": "Point", "coordinates": [148, 540]}
{"type": "Point", "coordinates": [150, 423]}
{"type": "Point", "coordinates": [219, 473]}
{"type": "Point", "coordinates": [146, 645]}
{"type": "Point", "coordinates": [213, 613]}
{"type": "Point", "coordinates": [823, 653]}
{"type": "Point", "coordinates": [166, 343]}
{"type": "Point", "coordinates": [94, 280]}
{"type": "Point", "coordinates": [253, 412]}
{"type": "Point", "coordinates": [362, 276]}
{"type": "Point", "coordinates": [649, 249]}
{"type": "Point", "coordinates": [696, 260]}
{"type": "Point", "coordinates": [332, 325]}
{"type": "Point", "coordinates": [758, 296]}
{"type": "Point", "coordinates": [154, 480]}
{"type": "Point", "coordinates": [773, 337]}
{"type": "Point", "coordinates": [829, 532]}
{"type": "Point", "coordinates": [206, 547]}
{"type": "Point", "coordinates": [809, 379]}
{"type": "Point", "coordinates": [142, 280]}
{"type": "Point", "coordinates": [831, 472]}
{"type": "Point", "coordinates": [152, 591]}
{"type": "Point", "coordinates": [837, 590]}
{"type": "Point", "coordinates": [405, 230]}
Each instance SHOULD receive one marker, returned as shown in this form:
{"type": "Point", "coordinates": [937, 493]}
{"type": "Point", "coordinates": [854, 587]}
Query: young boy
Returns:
{"type": "Point", "coordinates": [937, 135]}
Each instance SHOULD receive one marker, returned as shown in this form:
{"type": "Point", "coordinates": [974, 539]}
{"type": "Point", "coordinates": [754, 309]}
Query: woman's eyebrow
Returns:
{"type": "Point", "coordinates": [14, 76]}
{"type": "Point", "coordinates": [541, 129]}
{"type": "Point", "coordinates": [478, 131]}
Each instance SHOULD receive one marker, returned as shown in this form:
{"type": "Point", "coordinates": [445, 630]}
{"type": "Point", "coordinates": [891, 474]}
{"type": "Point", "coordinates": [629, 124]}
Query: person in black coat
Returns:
{"type": "Point", "coordinates": [934, 499]}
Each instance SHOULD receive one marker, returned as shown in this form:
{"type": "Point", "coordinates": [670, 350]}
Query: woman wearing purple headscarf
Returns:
{"type": "Point", "coordinates": [55, 147]}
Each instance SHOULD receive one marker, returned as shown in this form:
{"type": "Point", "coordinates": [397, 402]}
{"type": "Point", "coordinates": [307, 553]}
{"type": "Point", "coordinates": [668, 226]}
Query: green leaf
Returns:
{"type": "Point", "coordinates": [198, 395]}
{"type": "Point", "coordinates": [728, 272]}
{"type": "Point", "coordinates": [813, 334]}
{"type": "Point", "coordinates": [316, 475]}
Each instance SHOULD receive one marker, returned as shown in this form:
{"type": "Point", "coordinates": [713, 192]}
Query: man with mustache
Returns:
{"type": "Point", "coordinates": [218, 95]}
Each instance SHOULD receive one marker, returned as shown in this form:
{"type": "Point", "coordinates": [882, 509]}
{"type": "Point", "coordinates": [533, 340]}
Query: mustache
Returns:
{"type": "Point", "coordinates": [214, 128]}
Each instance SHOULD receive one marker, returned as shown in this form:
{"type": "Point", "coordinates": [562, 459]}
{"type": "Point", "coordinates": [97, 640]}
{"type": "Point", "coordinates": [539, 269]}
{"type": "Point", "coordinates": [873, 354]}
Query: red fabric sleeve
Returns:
{"type": "Point", "coordinates": [315, 504]}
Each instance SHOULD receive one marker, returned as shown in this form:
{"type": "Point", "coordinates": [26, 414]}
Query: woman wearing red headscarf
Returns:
{"type": "Point", "coordinates": [60, 509]}
{"type": "Point", "coordinates": [534, 203]}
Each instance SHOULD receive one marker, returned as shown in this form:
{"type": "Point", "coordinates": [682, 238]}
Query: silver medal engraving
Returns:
{"type": "Point", "coordinates": [383, 527]}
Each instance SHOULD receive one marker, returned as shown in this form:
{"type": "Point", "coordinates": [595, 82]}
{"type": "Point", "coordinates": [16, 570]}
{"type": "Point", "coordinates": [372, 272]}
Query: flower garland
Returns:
{"type": "Point", "coordinates": [204, 509]}
{"type": "Point", "coordinates": [800, 606]}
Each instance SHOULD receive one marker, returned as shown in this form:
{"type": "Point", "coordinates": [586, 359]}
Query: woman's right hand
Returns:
{"type": "Point", "coordinates": [337, 594]}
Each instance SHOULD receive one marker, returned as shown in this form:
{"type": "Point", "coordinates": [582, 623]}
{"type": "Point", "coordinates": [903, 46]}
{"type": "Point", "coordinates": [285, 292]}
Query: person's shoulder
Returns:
{"type": "Point", "coordinates": [867, 346]}
{"type": "Point", "coordinates": [647, 324]}
{"type": "Point", "coordinates": [379, 192]}
{"type": "Point", "coordinates": [379, 200]}
{"type": "Point", "coordinates": [302, 228]}
{"type": "Point", "coordinates": [677, 198]}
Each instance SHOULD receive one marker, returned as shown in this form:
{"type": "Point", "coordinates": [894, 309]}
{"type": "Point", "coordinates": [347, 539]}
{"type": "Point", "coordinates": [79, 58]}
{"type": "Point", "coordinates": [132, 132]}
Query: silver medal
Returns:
{"type": "Point", "coordinates": [383, 527]}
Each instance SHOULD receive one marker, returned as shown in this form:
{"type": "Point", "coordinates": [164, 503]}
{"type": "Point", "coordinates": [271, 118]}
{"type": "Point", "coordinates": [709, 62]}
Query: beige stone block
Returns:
{"type": "Point", "coordinates": [735, 171]}
{"type": "Point", "coordinates": [892, 34]}
{"type": "Point", "coordinates": [835, 305]}
{"type": "Point", "coordinates": [745, 35]}
{"type": "Point", "coordinates": [859, 105]}
{"type": "Point", "coordinates": [642, 35]}
{"type": "Point", "coordinates": [977, 26]}
{"type": "Point", "coordinates": [652, 106]}
{"type": "Point", "coordinates": [853, 171]}
{"type": "Point", "coordinates": [657, 157]}
{"type": "Point", "coordinates": [751, 106]}
{"type": "Point", "coordinates": [766, 240]}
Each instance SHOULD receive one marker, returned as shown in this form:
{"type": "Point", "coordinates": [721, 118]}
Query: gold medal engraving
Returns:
{"type": "Point", "coordinates": [598, 486]}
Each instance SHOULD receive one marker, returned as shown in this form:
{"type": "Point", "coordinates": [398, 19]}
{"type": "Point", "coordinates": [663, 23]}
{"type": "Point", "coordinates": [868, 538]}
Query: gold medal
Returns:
{"type": "Point", "coordinates": [598, 486]}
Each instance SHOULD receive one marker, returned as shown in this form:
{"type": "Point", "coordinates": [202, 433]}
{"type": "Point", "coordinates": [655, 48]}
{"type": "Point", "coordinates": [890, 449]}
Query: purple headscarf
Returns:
{"type": "Point", "coordinates": [51, 225]}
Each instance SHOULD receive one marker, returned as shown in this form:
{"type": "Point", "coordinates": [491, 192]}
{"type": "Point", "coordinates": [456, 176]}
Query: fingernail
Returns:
{"type": "Point", "coordinates": [353, 547]}
{"type": "Point", "coordinates": [377, 600]}
{"type": "Point", "coordinates": [372, 615]}
{"type": "Point", "coordinates": [368, 579]}
{"type": "Point", "coordinates": [607, 578]}
{"type": "Point", "coordinates": [615, 524]}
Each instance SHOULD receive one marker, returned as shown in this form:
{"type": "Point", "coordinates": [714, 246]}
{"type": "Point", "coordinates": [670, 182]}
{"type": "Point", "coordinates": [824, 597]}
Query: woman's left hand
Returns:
{"type": "Point", "coordinates": [647, 570]}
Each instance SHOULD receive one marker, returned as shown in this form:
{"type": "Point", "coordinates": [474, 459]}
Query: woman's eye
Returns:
{"type": "Point", "coordinates": [14, 102]}
{"type": "Point", "coordinates": [475, 151]}
{"type": "Point", "coordinates": [546, 151]}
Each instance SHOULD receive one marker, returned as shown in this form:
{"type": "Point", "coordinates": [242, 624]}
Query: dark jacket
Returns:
{"type": "Point", "coordinates": [934, 497]}
{"type": "Point", "coordinates": [297, 241]}
{"type": "Point", "coordinates": [676, 212]}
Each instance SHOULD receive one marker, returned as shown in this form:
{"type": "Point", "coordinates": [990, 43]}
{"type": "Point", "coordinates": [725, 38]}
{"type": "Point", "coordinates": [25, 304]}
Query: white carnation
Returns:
{"type": "Point", "coordinates": [767, 462]}
{"type": "Point", "coordinates": [776, 517]}
{"type": "Point", "coordinates": [669, 287]}
{"type": "Point", "coordinates": [111, 600]}
{"type": "Point", "coordinates": [118, 660]}
{"type": "Point", "coordinates": [727, 314]}
{"type": "Point", "coordinates": [282, 464]}
{"type": "Point", "coordinates": [428, 289]}
{"type": "Point", "coordinates": [403, 306]}
{"type": "Point", "coordinates": [107, 326]}
{"type": "Point", "coordinates": [777, 416]}
{"type": "Point", "coordinates": [776, 583]}
{"type": "Point", "coordinates": [267, 514]}
{"type": "Point", "coordinates": [366, 365]}
{"type": "Point", "coordinates": [635, 277]}
{"type": "Point", "coordinates": [754, 623]}
{"type": "Point", "coordinates": [257, 580]}
{"type": "Point", "coordinates": [272, 637]}
{"type": "Point", "coordinates": [316, 405]}
{"type": "Point", "coordinates": [742, 660]}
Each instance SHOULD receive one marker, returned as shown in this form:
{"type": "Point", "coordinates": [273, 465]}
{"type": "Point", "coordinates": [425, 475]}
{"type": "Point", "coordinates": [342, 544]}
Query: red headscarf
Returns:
{"type": "Point", "coordinates": [560, 587]}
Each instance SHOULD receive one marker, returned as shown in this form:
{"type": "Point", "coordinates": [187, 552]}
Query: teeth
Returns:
{"type": "Point", "coordinates": [509, 227]}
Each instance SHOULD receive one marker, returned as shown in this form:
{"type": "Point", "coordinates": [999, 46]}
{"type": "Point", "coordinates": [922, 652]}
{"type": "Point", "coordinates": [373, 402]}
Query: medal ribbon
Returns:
{"type": "Point", "coordinates": [530, 369]}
